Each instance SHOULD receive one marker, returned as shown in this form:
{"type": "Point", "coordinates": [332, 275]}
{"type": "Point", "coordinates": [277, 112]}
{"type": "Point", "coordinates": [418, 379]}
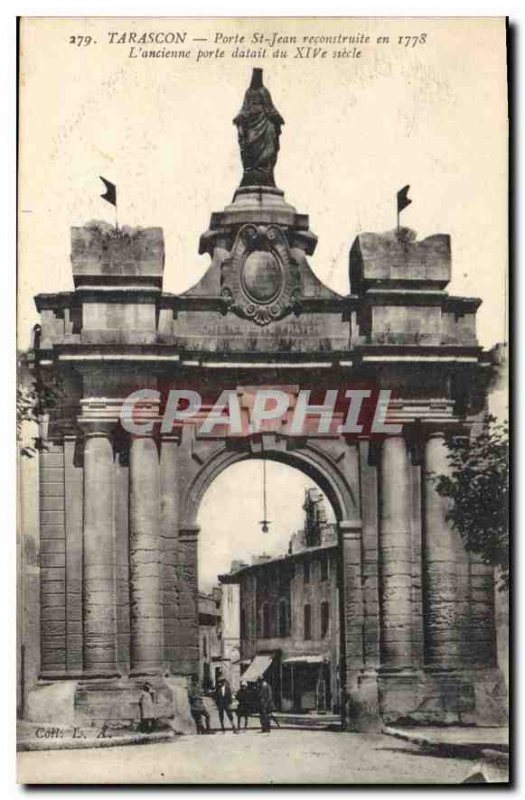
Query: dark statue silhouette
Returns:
{"type": "Point", "coordinates": [259, 127]}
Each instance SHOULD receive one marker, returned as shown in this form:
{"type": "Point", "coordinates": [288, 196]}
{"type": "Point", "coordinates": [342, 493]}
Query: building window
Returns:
{"type": "Point", "coordinates": [325, 619]}
{"type": "Point", "coordinates": [265, 621]}
{"type": "Point", "coordinates": [308, 622]}
{"type": "Point", "coordinates": [204, 647]}
{"type": "Point", "coordinates": [306, 571]}
{"type": "Point", "coordinates": [284, 619]}
{"type": "Point", "coordinates": [324, 568]}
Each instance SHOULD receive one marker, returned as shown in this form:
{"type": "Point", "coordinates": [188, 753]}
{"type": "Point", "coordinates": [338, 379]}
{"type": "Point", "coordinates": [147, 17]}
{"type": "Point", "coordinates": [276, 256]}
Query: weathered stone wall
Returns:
{"type": "Point", "coordinates": [123, 323]}
{"type": "Point", "coordinates": [480, 650]}
{"type": "Point", "coordinates": [52, 561]}
{"type": "Point", "coordinates": [28, 578]}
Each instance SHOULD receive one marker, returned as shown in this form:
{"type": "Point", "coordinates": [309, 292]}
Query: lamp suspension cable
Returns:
{"type": "Point", "coordinates": [265, 522]}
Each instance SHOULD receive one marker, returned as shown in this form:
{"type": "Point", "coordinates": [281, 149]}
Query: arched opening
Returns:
{"type": "Point", "coordinates": [255, 587]}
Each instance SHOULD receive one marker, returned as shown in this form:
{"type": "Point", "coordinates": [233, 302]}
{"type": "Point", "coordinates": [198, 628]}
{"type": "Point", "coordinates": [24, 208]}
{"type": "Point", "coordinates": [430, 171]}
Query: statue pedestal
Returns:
{"type": "Point", "coordinates": [257, 205]}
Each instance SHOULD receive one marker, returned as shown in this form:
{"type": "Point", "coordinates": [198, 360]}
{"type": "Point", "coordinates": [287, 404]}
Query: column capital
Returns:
{"type": "Point", "coordinates": [350, 528]}
{"type": "Point", "coordinates": [99, 416]}
{"type": "Point", "coordinates": [71, 435]}
{"type": "Point", "coordinates": [396, 443]}
{"type": "Point", "coordinates": [134, 437]}
{"type": "Point", "coordinates": [96, 427]}
{"type": "Point", "coordinates": [394, 436]}
{"type": "Point", "coordinates": [429, 428]}
{"type": "Point", "coordinates": [172, 436]}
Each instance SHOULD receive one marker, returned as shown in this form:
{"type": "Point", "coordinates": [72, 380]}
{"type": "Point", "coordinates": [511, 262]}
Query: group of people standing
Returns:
{"type": "Point", "coordinates": [254, 699]}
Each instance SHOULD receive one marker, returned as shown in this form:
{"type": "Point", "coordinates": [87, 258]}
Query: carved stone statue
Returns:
{"type": "Point", "coordinates": [259, 127]}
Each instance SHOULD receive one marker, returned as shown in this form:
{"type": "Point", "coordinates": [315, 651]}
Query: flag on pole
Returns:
{"type": "Point", "coordinates": [402, 200]}
{"type": "Point", "coordinates": [110, 195]}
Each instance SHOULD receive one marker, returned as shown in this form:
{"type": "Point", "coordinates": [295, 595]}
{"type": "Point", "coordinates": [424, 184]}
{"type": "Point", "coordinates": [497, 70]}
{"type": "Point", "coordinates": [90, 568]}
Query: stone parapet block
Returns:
{"type": "Point", "coordinates": [99, 251]}
{"type": "Point", "coordinates": [397, 258]}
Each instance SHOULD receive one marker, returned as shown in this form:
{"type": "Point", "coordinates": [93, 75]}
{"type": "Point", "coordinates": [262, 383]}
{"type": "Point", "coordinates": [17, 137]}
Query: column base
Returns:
{"type": "Point", "coordinates": [114, 703]}
{"type": "Point", "coordinates": [50, 675]}
{"type": "Point", "coordinates": [442, 697]}
{"type": "Point", "coordinates": [362, 702]}
{"type": "Point", "coordinates": [51, 701]}
{"type": "Point", "coordinates": [96, 674]}
{"type": "Point", "coordinates": [147, 672]}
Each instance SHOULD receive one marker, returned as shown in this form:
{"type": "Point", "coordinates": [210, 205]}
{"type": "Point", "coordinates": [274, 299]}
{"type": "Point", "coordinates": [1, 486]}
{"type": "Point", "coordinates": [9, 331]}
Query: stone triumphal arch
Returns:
{"type": "Point", "coordinates": [118, 531]}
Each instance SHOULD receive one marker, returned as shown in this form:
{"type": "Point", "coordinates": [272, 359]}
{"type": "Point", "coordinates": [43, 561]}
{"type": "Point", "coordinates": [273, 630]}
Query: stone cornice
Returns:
{"type": "Point", "coordinates": [189, 533]}
{"type": "Point", "coordinates": [54, 300]}
{"type": "Point", "coordinates": [159, 356]}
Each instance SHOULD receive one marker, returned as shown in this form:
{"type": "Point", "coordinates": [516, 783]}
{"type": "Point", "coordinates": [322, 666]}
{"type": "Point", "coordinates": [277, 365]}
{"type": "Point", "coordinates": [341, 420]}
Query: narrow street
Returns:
{"type": "Point", "coordinates": [284, 756]}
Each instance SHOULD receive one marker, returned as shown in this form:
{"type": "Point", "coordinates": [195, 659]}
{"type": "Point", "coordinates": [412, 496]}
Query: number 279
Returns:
{"type": "Point", "coordinates": [80, 41]}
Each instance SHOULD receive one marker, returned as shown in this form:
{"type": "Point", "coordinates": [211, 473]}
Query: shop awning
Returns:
{"type": "Point", "coordinates": [258, 667]}
{"type": "Point", "coordinates": [314, 659]}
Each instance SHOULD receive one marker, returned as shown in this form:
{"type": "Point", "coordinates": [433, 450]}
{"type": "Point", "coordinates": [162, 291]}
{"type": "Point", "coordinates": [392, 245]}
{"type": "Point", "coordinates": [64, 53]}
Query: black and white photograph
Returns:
{"type": "Point", "coordinates": [262, 401]}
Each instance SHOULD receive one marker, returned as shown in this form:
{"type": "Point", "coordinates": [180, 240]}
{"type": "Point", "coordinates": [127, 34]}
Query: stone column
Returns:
{"type": "Point", "coordinates": [446, 568]}
{"type": "Point", "coordinates": [99, 604]}
{"type": "Point", "coordinates": [169, 488]}
{"type": "Point", "coordinates": [396, 555]}
{"type": "Point", "coordinates": [145, 556]}
{"type": "Point", "coordinates": [359, 698]}
{"type": "Point", "coordinates": [369, 515]}
{"type": "Point", "coordinates": [187, 661]}
{"type": "Point", "coordinates": [74, 504]}
{"type": "Point", "coordinates": [352, 592]}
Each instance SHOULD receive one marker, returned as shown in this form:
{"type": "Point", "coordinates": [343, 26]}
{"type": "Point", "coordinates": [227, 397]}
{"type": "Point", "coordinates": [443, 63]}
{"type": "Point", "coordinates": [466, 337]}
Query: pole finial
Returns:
{"type": "Point", "coordinates": [403, 201]}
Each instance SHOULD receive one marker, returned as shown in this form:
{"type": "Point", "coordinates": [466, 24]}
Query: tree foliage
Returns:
{"type": "Point", "coordinates": [477, 487]}
{"type": "Point", "coordinates": [33, 401]}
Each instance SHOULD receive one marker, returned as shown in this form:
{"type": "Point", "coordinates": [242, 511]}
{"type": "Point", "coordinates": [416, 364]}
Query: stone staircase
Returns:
{"type": "Point", "coordinates": [308, 721]}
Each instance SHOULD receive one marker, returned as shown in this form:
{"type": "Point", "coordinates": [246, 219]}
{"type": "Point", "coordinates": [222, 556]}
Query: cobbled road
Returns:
{"type": "Point", "coordinates": [281, 757]}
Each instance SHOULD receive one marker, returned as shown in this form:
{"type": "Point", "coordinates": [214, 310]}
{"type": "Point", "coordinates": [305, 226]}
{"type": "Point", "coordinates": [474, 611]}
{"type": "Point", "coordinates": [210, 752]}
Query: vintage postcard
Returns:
{"type": "Point", "coordinates": [262, 401]}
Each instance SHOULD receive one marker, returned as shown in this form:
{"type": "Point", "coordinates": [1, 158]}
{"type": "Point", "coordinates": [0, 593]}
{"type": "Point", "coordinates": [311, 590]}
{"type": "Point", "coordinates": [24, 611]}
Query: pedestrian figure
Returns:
{"type": "Point", "coordinates": [243, 707]}
{"type": "Point", "coordinates": [265, 704]}
{"type": "Point", "coordinates": [147, 708]}
{"type": "Point", "coordinates": [197, 708]}
{"type": "Point", "coordinates": [223, 700]}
